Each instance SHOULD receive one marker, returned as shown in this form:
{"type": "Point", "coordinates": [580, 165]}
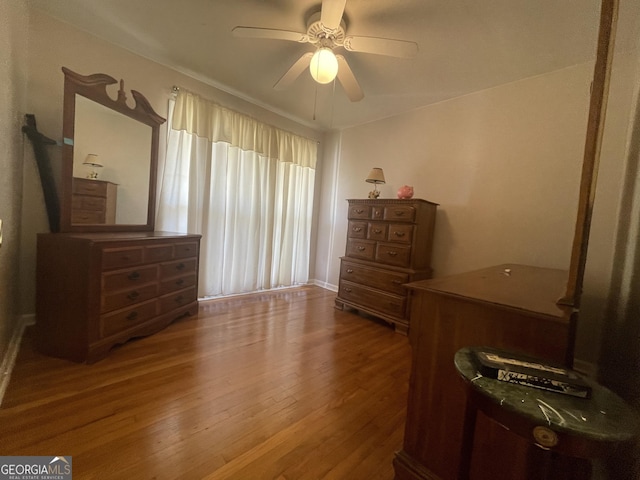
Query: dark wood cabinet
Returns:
{"type": "Point", "coordinates": [511, 307]}
{"type": "Point", "coordinates": [96, 290]}
{"type": "Point", "coordinates": [389, 244]}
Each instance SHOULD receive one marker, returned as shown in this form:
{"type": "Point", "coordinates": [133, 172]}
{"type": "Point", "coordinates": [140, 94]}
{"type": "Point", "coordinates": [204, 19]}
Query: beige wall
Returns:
{"type": "Point", "coordinates": [504, 165]}
{"type": "Point", "coordinates": [53, 45]}
{"type": "Point", "coordinates": [13, 72]}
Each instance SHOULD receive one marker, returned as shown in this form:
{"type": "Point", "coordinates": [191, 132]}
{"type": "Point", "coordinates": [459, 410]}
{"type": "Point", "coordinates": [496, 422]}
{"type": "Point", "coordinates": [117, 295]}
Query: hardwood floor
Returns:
{"type": "Point", "coordinates": [268, 386]}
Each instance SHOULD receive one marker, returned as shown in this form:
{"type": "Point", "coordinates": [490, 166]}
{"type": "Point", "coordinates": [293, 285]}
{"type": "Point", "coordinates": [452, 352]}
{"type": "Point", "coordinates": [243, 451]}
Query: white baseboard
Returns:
{"type": "Point", "coordinates": [9, 360]}
{"type": "Point", "coordinates": [326, 285]}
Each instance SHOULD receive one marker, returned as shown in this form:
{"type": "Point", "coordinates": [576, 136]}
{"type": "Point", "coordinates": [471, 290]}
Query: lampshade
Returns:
{"type": "Point", "coordinates": [324, 65]}
{"type": "Point", "coordinates": [376, 175]}
{"type": "Point", "coordinates": [92, 160]}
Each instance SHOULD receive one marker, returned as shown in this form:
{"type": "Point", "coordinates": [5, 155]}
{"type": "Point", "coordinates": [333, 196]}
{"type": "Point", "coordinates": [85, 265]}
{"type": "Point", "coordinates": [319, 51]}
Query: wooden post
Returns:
{"type": "Point", "coordinates": [593, 144]}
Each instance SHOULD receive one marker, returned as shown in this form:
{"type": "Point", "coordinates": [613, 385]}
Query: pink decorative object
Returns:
{"type": "Point", "coordinates": [405, 192]}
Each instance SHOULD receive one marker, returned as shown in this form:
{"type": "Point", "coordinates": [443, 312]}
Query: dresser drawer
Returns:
{"type": "Point", "coordinates": [400, 233]}
{"type": "Point", "coordinates": [178, 267]}
{"type": "Point", "coordinates": [377, 231]}
{"type": "Point", "coordinates": [357, 229]}
{"type": "Point", "coordinates": [393, 254]}
{"type": "Point", "coordinates": [177, 299]}
{"type": "Point", "coordinates": [360, 249]}
{"type": "Point", "coordinates": [385, 303]}
{"type": "Point", "coordinates": [177, 283]}
{"type": "Point", "coordinates": [400, 213]}
{"type": "Point", "coordinates": [386, 280]}
{"type": "Point", "coordinates": [185, 250]}
{"type": "Point", "coordinates": [158, 253]}
{"type": "Point", "coordinates": [83, 186]}
{"type": "Point", "coordinates": [130, 278]}
{"type": "Point", "coordinates": [125, 298]}
{"type": "Point", "coordinates": [361, 212]}
{"type": "Point", "coordinates": [127, 318]}
{"type": "Point", "coordinates": [121, 257]}
{"type": "Point", "coordinates": [86, 202]}
{"type": "Point", "coordinates": [87, 217]}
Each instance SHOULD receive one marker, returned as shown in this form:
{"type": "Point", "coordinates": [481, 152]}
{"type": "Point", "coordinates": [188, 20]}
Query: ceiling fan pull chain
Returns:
{"type": "Point", "coordinates": [315, 102]}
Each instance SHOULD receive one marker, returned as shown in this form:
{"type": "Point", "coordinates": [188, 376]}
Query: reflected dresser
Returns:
{"type": "Point", "coordinates": [389, 243]}
{"type": "Point", "coordinates": [96, 290]}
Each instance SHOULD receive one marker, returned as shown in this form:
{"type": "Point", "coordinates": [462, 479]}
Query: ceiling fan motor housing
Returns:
{"type": "Point", "coordinates": [322, 36]}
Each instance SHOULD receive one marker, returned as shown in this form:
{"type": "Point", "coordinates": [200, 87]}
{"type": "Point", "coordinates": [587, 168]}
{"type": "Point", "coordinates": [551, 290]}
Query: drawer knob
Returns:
{"type": "Point", "coordinates": [179, 299]}
{"type": "Point", "coordinates": [545, 437]}
{"type": "Point", "coordinates": [361, 249]}
{"type": "Point", "coordinates": [133, 295]}
{"type": "Point", "coordinates": [132, 316]}
{"type": "Point", "coordinates": [396, 282]}
{"type": "Point", "coordinates": [357, 229]}
{"type": "Point", "coordinates": [180, 266]}
{"type": "Point", "coordinates": [359, 210]}
{"type": "Point", "coordinates": [180, 282]}
{"type": "Point", "coordinates": [133, 276]}
{"type": "Point", "coordinates": [377, 230]}
{"type": "Point", "coordinates": [399, 234]}
{"type": "Point", "coordinates": [399, 213]}
{"type": "Point", "coordinates": [378, 213]}
{"type": "Point", "coordinates": [349, 270]}
{"type": "Point", "coordinates": [347, 289]}
{"type": "Point", "coordinates": [392, 253]}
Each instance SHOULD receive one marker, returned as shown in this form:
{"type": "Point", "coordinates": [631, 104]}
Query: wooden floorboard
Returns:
{"type": "Point", "coordinates": [267, 386]}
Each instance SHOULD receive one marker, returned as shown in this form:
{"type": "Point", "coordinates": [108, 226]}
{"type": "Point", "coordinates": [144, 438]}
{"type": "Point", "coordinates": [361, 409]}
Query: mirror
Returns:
{"type": "Point", "coordinates": [110, 157]}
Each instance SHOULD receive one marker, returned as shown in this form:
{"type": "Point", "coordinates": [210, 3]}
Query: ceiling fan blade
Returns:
{"type": "Point", "coordinates": [294, 72]}
{"type": "Point", "coordinates": [381, 46]}
{"type": "Point", "coordinates": [348, 80]}
{"type": "Point", "coordinates": [331, 13]}
{"type": "Point", "coordinates": [270, 33]}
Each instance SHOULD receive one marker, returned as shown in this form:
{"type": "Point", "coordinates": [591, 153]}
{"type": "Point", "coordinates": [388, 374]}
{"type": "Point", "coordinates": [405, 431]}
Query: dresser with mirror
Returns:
{"type": "Point", "coordinates": [107, 276]}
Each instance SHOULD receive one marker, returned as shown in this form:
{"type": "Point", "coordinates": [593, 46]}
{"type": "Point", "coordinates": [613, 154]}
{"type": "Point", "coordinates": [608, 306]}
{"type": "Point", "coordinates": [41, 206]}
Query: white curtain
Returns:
{"type": "Point", "coordinates": [246, 187]}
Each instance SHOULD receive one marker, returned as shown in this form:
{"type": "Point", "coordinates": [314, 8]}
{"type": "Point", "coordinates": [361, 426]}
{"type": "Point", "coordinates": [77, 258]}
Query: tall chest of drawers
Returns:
{"type": "Point", "coordinates": [96, 290]}
{"type": "Point", "coordinates": [93, 202]}
{"type": "Point", "coordinates": [389, 243]}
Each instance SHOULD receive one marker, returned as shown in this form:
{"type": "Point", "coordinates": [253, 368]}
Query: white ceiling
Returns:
{"type": "Point", "coordinates": [464, 46]}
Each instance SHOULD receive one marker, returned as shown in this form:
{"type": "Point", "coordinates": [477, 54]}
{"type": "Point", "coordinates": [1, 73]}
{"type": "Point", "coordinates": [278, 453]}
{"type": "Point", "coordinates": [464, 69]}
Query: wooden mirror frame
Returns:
{"type": "Point", "coordinates": [94, 87]}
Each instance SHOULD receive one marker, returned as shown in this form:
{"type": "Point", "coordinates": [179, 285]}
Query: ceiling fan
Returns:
{"type": "Point", "coordinates": [326, 30]}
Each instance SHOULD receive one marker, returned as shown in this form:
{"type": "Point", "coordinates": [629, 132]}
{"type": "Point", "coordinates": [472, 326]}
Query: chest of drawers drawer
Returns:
{"type": "Point", "coordinates": [357, 229]}
{"type": "Point", "coordinates": [393, 254]}
{"type": "Point", "coordinates": [127, 318]}
{"type": "Point", "coordinates": [361, 249]}
{"type": "Point", "coordinates": [377, 231]}
{"type": "Point", "coordinates": [179, 267]}
{"type": "Point", "coordinates": [177, 283]}
{"type": "Point", "coordinates": [89, 203]}
{"type": "Point", "coordinates": [121, 257]}
{"type": "Point", "coordinates": [128, 297]}
{"type": "Point", "coordinates": [177, 299]}
{"type": "Point", "coordinates": [386, 303]}
{"type": "Point", "coordinates": [387, 280]}
{"type": "Point", "coordinates": [130, 278]}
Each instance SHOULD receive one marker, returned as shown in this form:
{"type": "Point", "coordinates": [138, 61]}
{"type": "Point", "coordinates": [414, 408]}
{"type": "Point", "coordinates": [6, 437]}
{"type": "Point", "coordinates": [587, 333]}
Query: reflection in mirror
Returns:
{"type": "Point", "coordinates": [122, 149]}
{"type": "Point", "coordinates": [110, 157]}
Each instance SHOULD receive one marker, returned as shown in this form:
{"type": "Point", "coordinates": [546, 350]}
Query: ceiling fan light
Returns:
{"type": "Point", "coordinates": [324, 65]}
